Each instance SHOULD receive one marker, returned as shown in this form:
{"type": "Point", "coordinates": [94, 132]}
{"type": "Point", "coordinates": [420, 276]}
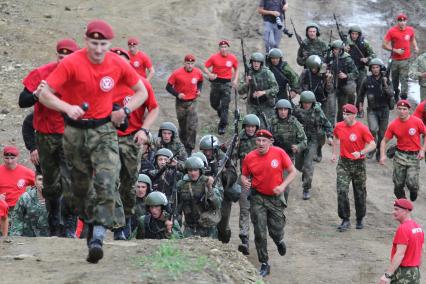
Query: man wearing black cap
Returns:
{"type": "Point", "coordinates": [407, 129]}
{"type": "Point", "coordinates": [87, 81]}
{"type": "Point", "coordinates": [407, 247]}
{"type": "Point", "coordinates": [262, 174]}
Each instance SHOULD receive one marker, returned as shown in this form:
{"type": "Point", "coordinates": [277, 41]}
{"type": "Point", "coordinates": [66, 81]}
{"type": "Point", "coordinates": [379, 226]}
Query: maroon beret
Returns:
{"type": "Point", "coordinates": [132, 41]}
{"type": "Point", "coordinates": [67, 46]}
{"type": "Point", "coordinates": [350, 108]}
{"type": "Point", "coordinates": [224, 42]}
{"type": "Point", "coordinates": [403, 203]}
{"type": "Point", "coordinates": [10, 150]}
{"type": "Point", "coordinates": [263, 133]}
{"type": "Point", "coordinates": [403, 103]}
{"type": "Point", "coordinates": [401, 16]}
{"type": "Point", "coordinates": [189, 58]}
{"type": "Point", "coordinates": [99, 29]}
{"type": "Point", "coordinates": [120, 51]}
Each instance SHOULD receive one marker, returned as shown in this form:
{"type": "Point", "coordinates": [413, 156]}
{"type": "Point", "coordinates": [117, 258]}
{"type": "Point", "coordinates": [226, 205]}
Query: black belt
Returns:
{"type": "Point", "coordinates": [86, 123]}
{"type": "Point", "coordinates": [221, 80]}
{"type": "Point", "coordinates": [408, 152]}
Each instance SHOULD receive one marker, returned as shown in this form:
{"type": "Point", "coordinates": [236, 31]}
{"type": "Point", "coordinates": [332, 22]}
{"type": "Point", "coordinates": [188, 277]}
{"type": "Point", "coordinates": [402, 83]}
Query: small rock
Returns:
{"type": "Point", "coordinates": [48, 16]}
{"type": "Point", "coordinates": [4, 111]}
{"type": "Point", "coordinates": [67, 8]}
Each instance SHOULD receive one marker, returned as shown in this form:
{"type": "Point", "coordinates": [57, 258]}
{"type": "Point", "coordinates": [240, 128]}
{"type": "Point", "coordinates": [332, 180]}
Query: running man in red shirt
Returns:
{"type": "Point", "coordinates": [262, 174]}
{"type": "Point", "coordinates": [407, 129]}
{"type": "Point", "coordinates": [49, 128]}
{"type": "Point", "coordinates": [87, 80]}
{"type": "Point", "coordinates": [398, 41]}
{"type": "Point", "coordinates": [224, 66]}
{"type": "Point", "coordinates": [185, 84]}
{"type": "Point", "coordinates": [137, 129]}
{"type": "Point", "coordinates": [139, 60]}
{"type": "Point", "coordinates": [407, 247]}
{"type": "Point", "coordinates": [356, 141]}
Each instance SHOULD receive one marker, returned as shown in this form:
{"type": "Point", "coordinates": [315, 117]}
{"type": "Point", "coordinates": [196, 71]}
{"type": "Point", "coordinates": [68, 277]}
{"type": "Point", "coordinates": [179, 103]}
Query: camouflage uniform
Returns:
{"type": "Point", "coordinates": [399, 73]}
{"type": "Point", "coordinates": [176, 147]}
{"type": "Point", "coordinates": [406, 169]}
{"type": "Point", "coordinates": [311, 47]}
{"type": "Point", "coordinates": [220, 97]}
{"type": "Point", "coordinates": [192, 204]}
{"type": "Point", "coordinates": [416, 69]}
{"type": "Point", "coordinates": [151, 228]}
{"type": "Point", "coordinates": [285, 76]}
{"type": "Point", "coordinates": [30, 217]}
{"type": "Point", "coordinates": [406, 275]}
{"type": "Point", "coordinates": [262, 80]}
{"type": "Point", "coordinates": [186, 112]}
{"type": "Point", "coordinates": [315, 125]}
{"type": "Point", "coordinates": [165, 181]}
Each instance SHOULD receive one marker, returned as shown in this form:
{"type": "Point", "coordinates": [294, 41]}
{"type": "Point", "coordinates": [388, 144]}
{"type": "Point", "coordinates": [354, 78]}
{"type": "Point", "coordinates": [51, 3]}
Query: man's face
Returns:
{"type": "Point", "coordinates": [133, 49]}
{"type": "Point", "coordinates": [188, 66]}
{"type": "Point", "coordinates": [399, 213]}
{"type": "Point", "coordinates": [224, 49]}
{"type": "Point", "coordinates": [282, 112]}
{"type": "Point", "coordinates": [375, 70]}
{"type": "Point", "coordinates": [166, 135]}
{"type": "Point", "coordinates": [250, 129]}
{"type": "Point", "coordinates": [256, 65]}
{"type": "Point", "coordinates": [141, 189]}
{"type": "Point", "coordinates": [263, 144]}
{"type": "Point", "coordinates": [312, 33]}
{"type": "Point", "coordinates": [349, 118]}
{"type": "Point", "coordinates": [306, 105]}
{"type": "Point", "coordinates": [155, 211]}
{"type": "Point", "coordinates": [403, 112]}
{"type": "Point", "coordinates": [336, 51]}
{"type": "Point", "coordinates": [10, 161]}
{"type": "Point", "coordinates": [275, 61]}
{"type": "Point", "coordinates": [194, 174]}
{"type": "Point", "coordinates": [162, 161]}
{"type": "Point", "coordinates": [208, 153]}
{"type": "Point", "coordinates": [402, 23]}
{"type": "Point", "coordinates": [354, 36]}
{"type": "Point", "coordinates": [39, 182]}
{"type": "Point", "coordinates": [97, 49]}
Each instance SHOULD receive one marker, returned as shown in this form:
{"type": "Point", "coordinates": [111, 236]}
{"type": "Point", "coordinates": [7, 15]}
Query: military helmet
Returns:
{"type": "Point", "coordinates": [307, 97]}
{"type": "Point", "coordinates": [337, 44]}
{"type": "Point", "coordinates": [312, 25]}
{"type": "Point", "coordinates": [145, 179]}
{"type": "Point", "coordinates": [156, 198]}
{"type": "Point", "coordinates": [355, 28]}
{"type": "Point", "coordinates": [206, 142]}
{"type": "Point", "coordinates": [164, 152]}
{"type": "Point", "coordinates": [202, 157]}
{"type": "Point", "coordinates": [251, 119]}
{"type": "Point", "coordinates": [283, 104]}
{"type": "Point", "coordinates": [194, 163]}
{"type": "Point", "coordinates": [275, 53]}
{"type": "Point", "coordinates": [313, 61]}
{"type": "Point", "coordinates": [257, 56]}
{"type": "Point", "coordinates": [376, 61]}
{"type": "Point", "coordinates": [168, 126]}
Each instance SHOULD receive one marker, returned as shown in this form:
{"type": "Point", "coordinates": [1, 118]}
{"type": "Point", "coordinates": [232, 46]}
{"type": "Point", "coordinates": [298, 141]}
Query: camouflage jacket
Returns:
{"type": "Point", "coordinates": [194, 199]}
{"type": "Point", "coordinates": [151, 228]}
{"type": "Point", "coordinates": [417, 68]}
{"type": "Point", "coordinates": [314, 122]}
{"type": "Point", "coordinates": [345, 64]}
{"type": "Point", "coordinates": [284, 75]}
{"type": "Point", "coordinates": [176, 147]}
{"type": "Point", "coordinates": [360, 49]}
{"type": "Point", "coordinates": [378, 95]}
{"type": "Point", "coordinates": [288, 132]}
{"type": "Point", "coordinates": [311, 47]}
{"type": "Point", "coordinates": [246, 144]}
{"type": "Point", "coordinates": [29, 217]}
{"type": "Point", "coordinates": [165, 181]}
{"type": "Point", "coordinates": [316, 83]}
{"type": "Point", "coordinates": [140, 207]}
{"type": "Point", "coordinates": [229, 174]}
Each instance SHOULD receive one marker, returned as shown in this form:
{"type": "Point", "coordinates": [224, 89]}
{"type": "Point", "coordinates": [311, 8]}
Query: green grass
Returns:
{"type": "Point", "coordinates": [168, 258]}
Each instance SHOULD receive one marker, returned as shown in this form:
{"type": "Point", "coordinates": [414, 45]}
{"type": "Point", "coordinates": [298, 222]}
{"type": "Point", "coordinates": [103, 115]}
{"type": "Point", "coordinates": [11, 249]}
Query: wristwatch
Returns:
{"type": "Point", "coordinates": [388, 276]}
{"type": "Point", "coordinates": [361, 153]}
{"type": "Point", "coordinates": [145, 130]}
{"type": "Point", "coordinates": [127, 110]}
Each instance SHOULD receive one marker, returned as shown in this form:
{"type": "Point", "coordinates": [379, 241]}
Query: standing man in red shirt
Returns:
{"type": "Point", "coordinates": [224, 66]}
{"type": "Point", "coordinates": [398, 41]}
{"type": "Point", "coordinates": [49, 127]}
{"type": "Point", "coordinates": [139, 60]}
{"type": "Point", "coordinates": [87, 80]}
{"type": "Point", "coordinates": [185, 84]}
{"type": "Point", "coordinates": [407, 247]}
{"type": "Point", "coordinates": [407, 129]}
{"type": "Point", "coordinates": [356, 141]}
{"type": "Point", "coordinates": [262, 174]}
{"type": "Point", "coordinates": [128, 142]}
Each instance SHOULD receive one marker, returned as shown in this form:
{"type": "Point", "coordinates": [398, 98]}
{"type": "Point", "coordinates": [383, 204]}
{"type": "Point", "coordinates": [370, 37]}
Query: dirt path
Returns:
{"type": "Point", "coordinates": [169, 29]}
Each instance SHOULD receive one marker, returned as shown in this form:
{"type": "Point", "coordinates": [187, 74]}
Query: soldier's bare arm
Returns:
{"type": "Point", "coordinates": [48, 98]}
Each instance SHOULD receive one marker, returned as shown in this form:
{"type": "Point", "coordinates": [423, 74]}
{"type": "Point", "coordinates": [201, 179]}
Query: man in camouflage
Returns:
{"type": "Point", "coordinates": [345, 73]}
{"type": "Point", "coordinates": [30, 217]}
{"type": "Point", "coordinates": [312, 45]}
{"type": "Point", "coordinates": [379, 93]}
{"type": "Point", "coordinates": [261, 89]}
{"type": "Point", "coordinates": [246, 144]}
{"type": "Point", "coordinates": [418, 72]}
{"type": "Point", "coordinates": [284, 74]}
{"type": "Point", "coordinates": [288, 132]}
{"type": "Point", "coordinates": [315, 124]}
{"type": "Point", "coordinates": [199, 200]}
{"type": "Point", "coordinates": [361, 52]}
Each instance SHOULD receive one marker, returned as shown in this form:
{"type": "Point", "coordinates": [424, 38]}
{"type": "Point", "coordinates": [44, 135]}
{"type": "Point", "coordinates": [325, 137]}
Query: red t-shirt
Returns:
{"type": "Point", "coordinates": [78, 80]}
{"type": "Point", "coordinates": [407, 133]}
{"type": "Point", "coordinates": [140, 61]}
{"type": "Point", "coordinates": [4, 208]}
{"type": "Point", "coordinates": [14, 182]}
{"type": "Point", "coordinates": [186, 82]}
{"type": "Point", "coordinates": [420, 111]}
{"type": "Point", "coordinates": [222, 65]}
{"type": "Point", "coordinates": [411, 234]}
{"type": "Point", "coordinates": [400, 39]}
{"type": "Point", "coordinates": [46, 120]}
{"type": "Point", "coordinates": [124, 93]}
{"type": "Point", "coordinates": [352, 138]}
{"type": "Point", "coordinates": [266, 171]}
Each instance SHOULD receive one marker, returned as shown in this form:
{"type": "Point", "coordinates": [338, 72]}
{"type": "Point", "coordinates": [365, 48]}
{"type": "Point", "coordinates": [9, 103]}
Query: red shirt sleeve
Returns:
{"type": "Point", "coordinates": [209, 62]}
{"type": "Point", "coordinates": [367, 136]}
{"type": "Point", "coordinates": [147, 61]}
{"type": "Point", "coordinates": [235, 62]}
{"type": "Point", "coordinates": [286, 161]}
{"type": "Point", "coordinates": [389, 132]}
{"type": "Point", "coordinates": [172, 79]}
{"type": "Point", "coordinates": [60, 76]}
{"type": "Point", "coordinates": [245, 170]}
{"type": "Point", "coordinates": [151, 103]}
{"type": "Point", "coordinates": [130, 77]}
{"type": "Point", "coordinates": [32, 81]}
{"type": "Point", "coordinates": [4, 208]}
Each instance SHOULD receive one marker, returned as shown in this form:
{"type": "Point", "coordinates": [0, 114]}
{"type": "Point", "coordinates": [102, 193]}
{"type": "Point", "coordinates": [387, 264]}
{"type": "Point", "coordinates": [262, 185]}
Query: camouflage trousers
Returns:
{"type": "Point", "coordinates": [406, 275]}
{"type": "Point", "coordinates": [244, 220]}
{"type": "Point", "coordinates": [190, 231]}
{"type": "Point", "coordinates": [305, 164]}
{"type": "Point", "coordinates": [406, 169]}
{"type": "Point", "coordinates": [220, 97]}
{"type": "Point", "coordinates": [188, 122]}
{"type": "Point", "coordinates": [329, 108]}
{"type": "Point", "coordinates": [378, 120]}
{"type": "Point", "coordinates": [223, 230]}
{"type": "Point", "coordinates": [95, 164]}
{"type": "Point", "coordinates": [399, 73]}
{"type": "Point", "coordinates": [267, 214]}
{"type": "Point", "coordinates": [130, 156]}
{"type": "Point", "coordinates": [345, 95]}
{"type": "Point", "coordinates": [263, 111]}
{"type": "Point", "coordinates": [351, 170]}
{"type": "Point", "coordinates": [362, 73]}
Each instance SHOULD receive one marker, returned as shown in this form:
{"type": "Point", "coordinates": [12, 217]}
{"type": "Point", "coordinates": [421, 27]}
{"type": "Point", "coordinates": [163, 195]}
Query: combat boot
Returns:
{"type": "Point", "coordinates": [53, 209]}
{"type": "Point", "coordinates": [119, 234]}
{"type": "Point", "coordinates": [344, 226]}
{"type": "Point", "coordinates": [370, 155]}
{"type": "Point", "coordinates": [265, 269]}
{"type": "Point", "coordinates": [282, 249]}
{"type": "Point", "coordinates": [413, 195]}
{"type": "Point", "coordinates": [306, 194]}
{"type": "Point", "coordinates": [244, 246]}
{"type": "Point", "coordinates": [318, 157]}
{"type": "Point", "coordinates": [359, 224]}
{"type": "Point", "coordinates": [96, 252]}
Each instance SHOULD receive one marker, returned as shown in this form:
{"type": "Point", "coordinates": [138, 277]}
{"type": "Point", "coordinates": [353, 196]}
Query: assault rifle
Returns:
{"type": "Point", "coordinates": [298, 37]}
{"type": "Point", "coordinates": [246, 66]}
{"type": "Point", "coordinates": [163, 169]}
{"type": "Point", "coordinates": [252, 84]}
{"type": "Point", "coordinates": [342, 35]}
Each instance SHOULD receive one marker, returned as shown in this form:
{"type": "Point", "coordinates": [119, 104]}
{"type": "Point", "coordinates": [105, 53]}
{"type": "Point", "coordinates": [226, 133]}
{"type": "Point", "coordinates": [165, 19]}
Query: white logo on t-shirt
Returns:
{"type": "Point", "coordinates": [228, 63]}
{"type": "Point", "coordinates": [194, 81]}
{"type": "Point", "coordinates": [274, 163]}
{"type": "Point", "coordinates": [407, 37]}
{"type": "Point", "coordinates": [136, 64]}
{"type": "Point", "coordinates": [352, 137]}
{"type": "Point", "coordinates": [21, 184]}
{"type": "Point", "coordinates": [412, 131]}
{"type": "Point", "coordinates": [106, 84]}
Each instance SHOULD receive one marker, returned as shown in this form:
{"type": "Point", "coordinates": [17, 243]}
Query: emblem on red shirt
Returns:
{"type": "Point", "coordinates": [228, 63]}
{"type": "Point", "coordinates": [274, 163]}
{"type": "Point", "coordinates": [407, 37]}
{"type": "Point", "coordinates": [106, 84]}
{"type": "Point", "coordinates": [136, 64]}
{"type": "Point", "coordinates": [21, 184]}
{"type": "Point", "coordinates": [194, 81]}
{"type": "Point", "coordinates": [352, 137]}
{"type": "Point", "coordinates": [412, 131]}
